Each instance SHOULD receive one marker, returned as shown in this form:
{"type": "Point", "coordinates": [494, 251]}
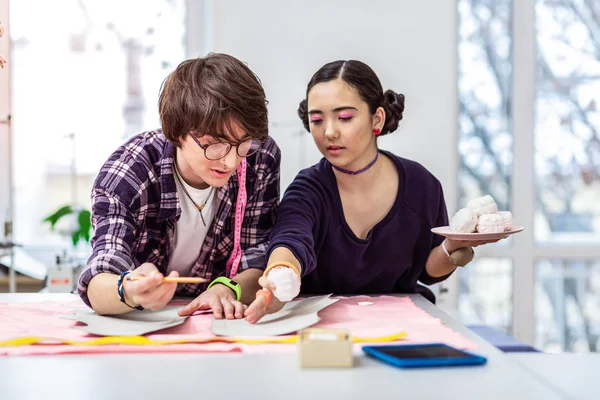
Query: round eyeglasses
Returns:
{"type": "Point", "coordinates": [216, 151]}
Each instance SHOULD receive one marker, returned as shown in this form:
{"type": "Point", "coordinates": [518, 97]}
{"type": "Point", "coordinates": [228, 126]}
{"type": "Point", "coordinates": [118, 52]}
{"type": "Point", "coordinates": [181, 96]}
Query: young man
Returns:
{"type": "Point", "coordinates": [171, 202]}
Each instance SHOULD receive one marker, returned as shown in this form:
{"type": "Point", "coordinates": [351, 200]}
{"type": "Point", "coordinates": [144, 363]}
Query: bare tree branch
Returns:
{"type": "Point", "coordinates": [493, 61]}
{"type": "Point", "coordinates": [481, 134]}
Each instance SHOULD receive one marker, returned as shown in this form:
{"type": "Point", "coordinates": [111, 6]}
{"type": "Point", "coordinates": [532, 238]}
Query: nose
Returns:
{"type": "Point", "coordinates": [231, 160]}
{"type": "Point", "coordinates": [331, 131]}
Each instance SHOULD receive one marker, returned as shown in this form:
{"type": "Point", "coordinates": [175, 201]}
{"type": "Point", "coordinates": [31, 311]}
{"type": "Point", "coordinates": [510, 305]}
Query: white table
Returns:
{"type": "Point", "coordinates": [574, 376]}
{"type": "Point", "coordinates": [264, 376]}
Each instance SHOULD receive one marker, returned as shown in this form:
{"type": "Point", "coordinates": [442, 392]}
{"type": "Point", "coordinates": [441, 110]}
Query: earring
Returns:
{"type": "Point", "coordinates": [376, 132]}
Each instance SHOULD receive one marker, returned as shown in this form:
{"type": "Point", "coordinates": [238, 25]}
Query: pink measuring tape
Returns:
{"type": "Point", "coordinates": [240, 206]}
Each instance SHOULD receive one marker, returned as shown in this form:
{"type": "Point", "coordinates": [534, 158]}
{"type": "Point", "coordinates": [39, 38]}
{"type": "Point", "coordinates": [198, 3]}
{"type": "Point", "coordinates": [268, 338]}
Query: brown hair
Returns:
{"type": "Point", "coordinates": [207, 95]}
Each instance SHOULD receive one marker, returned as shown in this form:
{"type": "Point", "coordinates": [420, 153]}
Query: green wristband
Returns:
{"type": "Point", "coordinates": [231, 284]}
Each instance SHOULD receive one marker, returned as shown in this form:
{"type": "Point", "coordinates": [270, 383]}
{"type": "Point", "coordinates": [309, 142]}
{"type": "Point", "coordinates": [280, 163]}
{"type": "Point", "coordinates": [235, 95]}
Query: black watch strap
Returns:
{"type": "Point", "coordinates": [121, 291]}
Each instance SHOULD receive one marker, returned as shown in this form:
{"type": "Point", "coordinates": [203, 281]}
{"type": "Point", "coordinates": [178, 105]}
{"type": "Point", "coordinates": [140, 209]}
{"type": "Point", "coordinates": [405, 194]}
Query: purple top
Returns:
{"type": "Point", "coordinates": [391, 259]}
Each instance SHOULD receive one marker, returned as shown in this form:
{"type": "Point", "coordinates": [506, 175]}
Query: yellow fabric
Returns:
{"type": "Point", "coordinates": [144, 341]}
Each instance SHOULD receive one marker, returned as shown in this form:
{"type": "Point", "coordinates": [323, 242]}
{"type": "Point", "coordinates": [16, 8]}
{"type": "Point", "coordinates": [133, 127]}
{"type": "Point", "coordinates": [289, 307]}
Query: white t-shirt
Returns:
{"type": "Point", "coordinates": [190, 232]}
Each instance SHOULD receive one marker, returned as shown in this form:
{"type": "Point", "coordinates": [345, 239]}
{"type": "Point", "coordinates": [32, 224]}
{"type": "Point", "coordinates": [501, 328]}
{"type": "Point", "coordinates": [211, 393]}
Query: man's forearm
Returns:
{"type": "Point", "coordinates": [248, 281]}
{"type": "Point", "coordinates": [103, 295]}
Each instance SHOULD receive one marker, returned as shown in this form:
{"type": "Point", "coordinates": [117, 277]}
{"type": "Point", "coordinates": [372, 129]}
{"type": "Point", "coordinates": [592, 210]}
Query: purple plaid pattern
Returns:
{"type": "Point", "coordinates": [135, 208]}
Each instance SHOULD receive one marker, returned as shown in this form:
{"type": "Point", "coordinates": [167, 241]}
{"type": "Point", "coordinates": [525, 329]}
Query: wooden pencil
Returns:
{"type": "Point", "coordinates": [176, 279]}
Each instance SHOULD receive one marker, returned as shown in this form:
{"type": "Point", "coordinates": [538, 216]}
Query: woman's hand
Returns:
{"type": "Point", "coordinates": [453, 245]}
{"type": "Point", "coordinates": [259, 307]}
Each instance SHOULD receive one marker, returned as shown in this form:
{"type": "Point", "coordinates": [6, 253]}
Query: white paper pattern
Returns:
{"type": "Point", "coordinates": [133, 323]}
{"type": "Point", "coordinates": [291, 318]}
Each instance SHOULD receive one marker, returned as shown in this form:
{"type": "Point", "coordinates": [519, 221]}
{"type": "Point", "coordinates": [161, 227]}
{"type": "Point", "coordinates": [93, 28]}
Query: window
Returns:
{"type": "Point", "coordinates": [546, 130]}
{"type": "Point", "coordinates": [567, 132]}
{"type": "Point", "coordinates": [486, 293]}
{"type": "Point", "coordinates": [484, 87]}
{"type": "Point", "coordinates": [485, 151]}
{"type": "Point", "coordinates": [80, 88]}
{"type": "Point", "coordinates": [567, 168]}
{"type": "Point", "coordinates": [567, 305]}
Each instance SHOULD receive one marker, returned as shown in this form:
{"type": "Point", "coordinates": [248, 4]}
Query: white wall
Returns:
{"type": "Point", "coordinates": [411, 45]}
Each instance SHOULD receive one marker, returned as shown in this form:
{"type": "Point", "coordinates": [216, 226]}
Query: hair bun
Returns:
{"type": "Point", "coordinates": [393, 104]}
{"type": "Point", "coordinates": [303, 113]}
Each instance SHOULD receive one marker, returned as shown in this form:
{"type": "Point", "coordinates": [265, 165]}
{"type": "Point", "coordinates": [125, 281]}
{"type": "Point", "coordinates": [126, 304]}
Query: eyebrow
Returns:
{"type": "Point", "coordinates": [224, 139]}
{"type": "Point", "coordinates": [337, 109]}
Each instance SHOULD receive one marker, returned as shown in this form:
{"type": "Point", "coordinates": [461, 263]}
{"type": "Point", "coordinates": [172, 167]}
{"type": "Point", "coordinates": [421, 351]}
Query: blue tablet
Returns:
{"type": "Point", "coordinates": [423, 355]}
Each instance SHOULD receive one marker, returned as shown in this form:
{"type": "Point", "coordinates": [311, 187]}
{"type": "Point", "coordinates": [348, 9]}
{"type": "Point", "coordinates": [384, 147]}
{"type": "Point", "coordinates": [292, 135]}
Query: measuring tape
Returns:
{"type": "Point", "coordinates": [240, 206]}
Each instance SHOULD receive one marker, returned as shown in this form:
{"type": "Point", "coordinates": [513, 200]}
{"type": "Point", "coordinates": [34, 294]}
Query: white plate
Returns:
{"type": "Point", "coordinates": [447, 232]}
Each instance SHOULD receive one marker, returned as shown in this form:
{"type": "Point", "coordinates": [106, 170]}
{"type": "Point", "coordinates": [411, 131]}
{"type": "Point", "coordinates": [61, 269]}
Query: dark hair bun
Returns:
{"type": "Point", "coordinates": [303, 113]}
{"type": "Point", "coordinates": [393, 104]}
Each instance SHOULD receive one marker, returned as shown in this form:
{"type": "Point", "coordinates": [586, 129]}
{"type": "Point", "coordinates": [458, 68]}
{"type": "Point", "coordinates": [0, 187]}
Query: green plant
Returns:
{"type": "Point", "coordinates": [84, 223]}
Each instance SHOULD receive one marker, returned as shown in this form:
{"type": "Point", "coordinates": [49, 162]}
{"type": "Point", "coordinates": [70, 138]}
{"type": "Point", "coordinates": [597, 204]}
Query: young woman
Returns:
{"type": "Point", "coordinates": [196, 198]}
{"type": "Point", "coordinates": [359, 221]}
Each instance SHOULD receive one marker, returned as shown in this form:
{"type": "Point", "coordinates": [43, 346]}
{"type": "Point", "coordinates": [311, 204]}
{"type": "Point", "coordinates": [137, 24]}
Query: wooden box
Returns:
{"type": "Point", "coordinates": [325, 348]}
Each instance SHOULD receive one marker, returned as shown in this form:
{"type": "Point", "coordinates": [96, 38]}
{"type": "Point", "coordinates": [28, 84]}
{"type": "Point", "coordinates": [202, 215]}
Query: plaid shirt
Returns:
{"type": "Point", "coordinates": [135, 209]}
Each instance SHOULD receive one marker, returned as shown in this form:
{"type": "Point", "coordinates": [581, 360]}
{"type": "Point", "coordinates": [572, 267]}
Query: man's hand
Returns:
{"type": "Point", "coordinates": [150, 292]}
{"type": "Point", "coordinates": [220, 299]}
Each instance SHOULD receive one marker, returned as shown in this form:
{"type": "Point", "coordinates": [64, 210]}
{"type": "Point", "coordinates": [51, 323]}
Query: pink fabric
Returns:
{"type": "Point", "coordinates": [43, 319]}
{"type": "Point", "coordinates": [387, 315]}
